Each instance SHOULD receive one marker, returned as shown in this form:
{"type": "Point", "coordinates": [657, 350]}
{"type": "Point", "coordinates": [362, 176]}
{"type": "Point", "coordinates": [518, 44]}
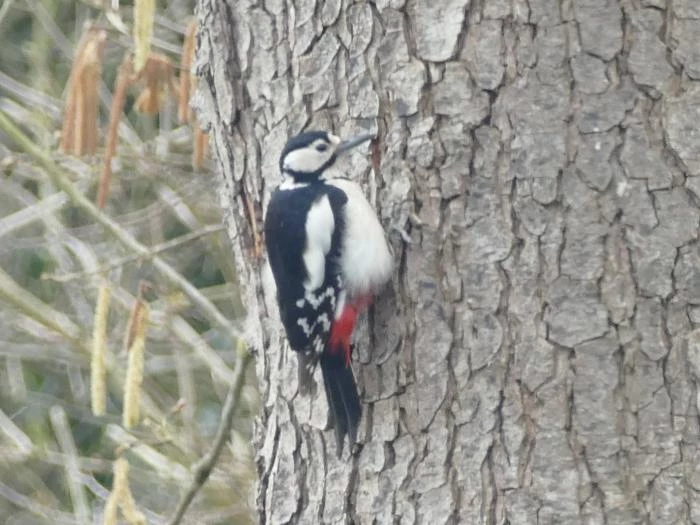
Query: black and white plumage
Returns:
{"type": "Point", "coordinates": [329, 257]}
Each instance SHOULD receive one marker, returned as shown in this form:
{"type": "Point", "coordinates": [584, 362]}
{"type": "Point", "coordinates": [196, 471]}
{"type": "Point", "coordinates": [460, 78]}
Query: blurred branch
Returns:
{"type": "Point", "coordinates": [37, 352]}
{"type": "Point", "coordinates": [59, 421]}
{"type": "Point", "coordinates": [219, 369]}
{"type": "Point", "coordinates": [146, 453]}
{"type": "Point", "coordinates": [172, 243]}
{"type": "Point", "coordinates": [5, 8]}
{"type": "Point", "coordinates": [32, 212]}
{"type": "Point", "coordinates": [62, 181]}
{"type": "Point", "coordinates": [38, 310]}
{"type": "Point", "coordinates": [21, 440]}
{"type": "Point", "coordinates": [165, 22]}
{"type": "Point", "coordinates": [29, 503]}
{"type": "Point", "coordinates": [29, 96]}
{"type": "Point", "coordinates": [175, 200]}
{"type": "Point", "coordinates": [202, 469]}
{"type": "Point", "coordinates": [38, 9]}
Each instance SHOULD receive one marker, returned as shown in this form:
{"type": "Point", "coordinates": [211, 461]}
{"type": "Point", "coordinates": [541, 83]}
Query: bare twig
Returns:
{"type": "Point", "coordinates": [219, 369]}
{"type": "Point", "coordinates": [29, 96]}
{"type": "Point", "coordinates": [203, 467]}
{"type": "Point", "coordinates": [5, 8]}
{"type": "Point", "coordinates": [32, 212]}
{"type": "Point", "coordinates": [146, 453]}
{"type": "Point", "coordinates": [172, 243]}
{"type": "Point", "coordinates": [65, 440]}
{"type": "Point", "coordinates": [32, 505]}
{"type": "Point", "coordinates": [28, 304]}
{"type": "Point", "coordinates": [22, 441]}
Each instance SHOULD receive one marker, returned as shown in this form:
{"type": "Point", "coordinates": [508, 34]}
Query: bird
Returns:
{"type": "Point", "coordinates": [329, 257]}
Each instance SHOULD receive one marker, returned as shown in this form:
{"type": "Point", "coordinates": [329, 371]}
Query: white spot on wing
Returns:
{"type": "Point", "coordinates": [315, 300]}
{"type": "Point", "coordinates": [325, 322]}
{"type": "Point", "coordinates": [304, 326]}
{"type": "Point", "coordinates": [318, 346]}
{"type": "Point", "coordinates": [319, 229]}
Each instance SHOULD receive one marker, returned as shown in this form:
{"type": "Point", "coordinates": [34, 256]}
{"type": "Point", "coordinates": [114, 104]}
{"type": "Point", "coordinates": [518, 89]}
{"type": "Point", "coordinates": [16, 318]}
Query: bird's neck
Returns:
{"type": "Point", "coordinates": [296, 178]}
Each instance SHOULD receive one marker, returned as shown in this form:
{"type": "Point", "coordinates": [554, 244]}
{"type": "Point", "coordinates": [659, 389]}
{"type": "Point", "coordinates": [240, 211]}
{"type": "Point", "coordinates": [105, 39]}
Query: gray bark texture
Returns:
{"type": "Point", "coordinates": [536, 358]}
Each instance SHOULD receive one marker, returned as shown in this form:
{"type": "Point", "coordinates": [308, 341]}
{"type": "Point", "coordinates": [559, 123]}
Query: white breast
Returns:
{"type": "Point", "coordinates": [365, 260]}
{"type": "Point", "coordinates": [319, 230]}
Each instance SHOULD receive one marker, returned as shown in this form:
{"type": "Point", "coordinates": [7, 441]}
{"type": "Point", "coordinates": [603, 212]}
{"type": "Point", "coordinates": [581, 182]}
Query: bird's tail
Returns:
{"type": "Point", "coordinates": [343, 399]}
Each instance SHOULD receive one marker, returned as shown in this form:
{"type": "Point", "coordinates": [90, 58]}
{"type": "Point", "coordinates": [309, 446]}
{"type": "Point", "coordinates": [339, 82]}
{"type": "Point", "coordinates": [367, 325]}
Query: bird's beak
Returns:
{"type": "Point", "coordinates": [348, 144]}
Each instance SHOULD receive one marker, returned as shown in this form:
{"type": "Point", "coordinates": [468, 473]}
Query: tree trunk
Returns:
{"type": "Point", "coordinates": [536, 357]}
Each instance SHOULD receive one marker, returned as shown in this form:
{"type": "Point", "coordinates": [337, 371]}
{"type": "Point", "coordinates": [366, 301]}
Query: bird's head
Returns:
{"type": "Point", "coordinates": [308, 155]}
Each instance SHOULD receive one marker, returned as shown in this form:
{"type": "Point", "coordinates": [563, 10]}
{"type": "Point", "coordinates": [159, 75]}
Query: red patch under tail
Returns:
{"type": "Point", "coordinates": [341, 331]}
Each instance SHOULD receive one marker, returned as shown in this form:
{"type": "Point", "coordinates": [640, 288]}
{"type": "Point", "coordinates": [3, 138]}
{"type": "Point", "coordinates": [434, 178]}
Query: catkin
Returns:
{"type": "Point", "coordinates": [144, 14]}
{"type": "Point", "coordinates": [121, 497]}
{"type": "Point", "coordinates": [119, 484]}
{"type": "Point", "coordinates": [98, 374]}
{"type": "Point", "coordinates": [134, 371]}
{"type": "Point", "coordinates": [129, 510]}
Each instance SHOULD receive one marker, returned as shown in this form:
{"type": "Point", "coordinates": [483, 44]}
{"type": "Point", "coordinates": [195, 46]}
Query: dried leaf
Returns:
{"type": "Point", "coordinates": [159, 78]}
{"type": "Point", "coordinates": [79, 131]}
{"type": "Point", "coordinates": [121, 85]}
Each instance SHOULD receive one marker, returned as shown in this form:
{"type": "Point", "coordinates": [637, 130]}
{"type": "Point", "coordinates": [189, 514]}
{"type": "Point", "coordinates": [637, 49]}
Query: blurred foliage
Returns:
{"type": "Point", "coordinates": [57, 458]}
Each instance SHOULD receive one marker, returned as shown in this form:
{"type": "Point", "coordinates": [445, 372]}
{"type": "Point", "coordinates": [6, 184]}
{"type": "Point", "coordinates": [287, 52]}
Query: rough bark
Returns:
{"type": "Point", "coordinates": [536, 358]}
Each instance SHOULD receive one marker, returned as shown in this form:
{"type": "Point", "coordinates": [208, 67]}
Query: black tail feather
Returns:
{"type": "Point", "coordinates": [343, 400]}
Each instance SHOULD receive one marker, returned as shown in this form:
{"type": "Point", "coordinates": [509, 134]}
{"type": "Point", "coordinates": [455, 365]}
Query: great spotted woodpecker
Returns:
{"type": "Point", "coordinates": [329, 257]}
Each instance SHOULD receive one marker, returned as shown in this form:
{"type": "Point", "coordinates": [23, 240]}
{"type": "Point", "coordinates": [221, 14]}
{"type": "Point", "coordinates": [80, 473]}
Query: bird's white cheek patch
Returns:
{"type": "Point", "coordinates": [306, 160]}
{"type": "Point", "coordinates": [319, 230]}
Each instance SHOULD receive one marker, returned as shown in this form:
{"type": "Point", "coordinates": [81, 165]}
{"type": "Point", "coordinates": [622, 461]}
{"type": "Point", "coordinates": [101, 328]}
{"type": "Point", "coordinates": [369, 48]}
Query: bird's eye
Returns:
{"type": "Point", "coordinates": [321, 147]}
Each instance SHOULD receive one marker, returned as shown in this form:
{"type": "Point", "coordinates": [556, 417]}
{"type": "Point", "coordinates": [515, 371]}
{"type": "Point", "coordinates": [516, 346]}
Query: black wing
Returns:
{"type": "Point", "coordinates": [306, 315]}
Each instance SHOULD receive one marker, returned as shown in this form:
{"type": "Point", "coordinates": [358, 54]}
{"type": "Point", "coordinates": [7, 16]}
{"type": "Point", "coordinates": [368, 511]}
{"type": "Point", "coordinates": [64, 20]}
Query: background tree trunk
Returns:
{"type": "Point", "coordinates": [536, 358]}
